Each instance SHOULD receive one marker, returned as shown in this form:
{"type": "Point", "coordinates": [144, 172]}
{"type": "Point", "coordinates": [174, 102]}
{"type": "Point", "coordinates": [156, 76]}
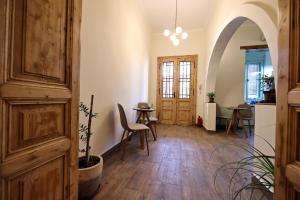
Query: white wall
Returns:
{"type": "Point", "coordinates": [114, 64]}
{"type": "Point", "coordinates": [162, 46]}
{"type": "Point", "coordinates": [231, 74]}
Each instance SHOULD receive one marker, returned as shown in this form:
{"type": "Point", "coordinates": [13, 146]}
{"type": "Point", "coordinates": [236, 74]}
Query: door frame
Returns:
{"type": "Point", "coordinates": [161, 59]}
{"type": "Point", "coordinates": [287, 167]}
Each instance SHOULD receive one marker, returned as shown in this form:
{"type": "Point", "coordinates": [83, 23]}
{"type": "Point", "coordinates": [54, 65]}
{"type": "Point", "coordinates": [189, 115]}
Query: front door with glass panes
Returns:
{"type": "Point", "coordinates": [176, 92]}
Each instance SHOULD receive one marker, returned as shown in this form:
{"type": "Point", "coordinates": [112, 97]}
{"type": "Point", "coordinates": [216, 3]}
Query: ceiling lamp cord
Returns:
{"type": "Point", "coordinates": [174, 37]}
{"type": "Point", "coordinates": [176, 13]}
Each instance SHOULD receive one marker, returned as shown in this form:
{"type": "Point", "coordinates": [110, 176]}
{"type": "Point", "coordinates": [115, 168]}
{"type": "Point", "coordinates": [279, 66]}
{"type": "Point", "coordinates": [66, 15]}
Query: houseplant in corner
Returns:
{"type": "Point", "coordinates": [268, 85]}
{"type": "Point", "coordinates": [90, 166]}
{"type": "Point", "coordinates": [211, 96]}
{"type": "Point", "coordinates": [251, 175]}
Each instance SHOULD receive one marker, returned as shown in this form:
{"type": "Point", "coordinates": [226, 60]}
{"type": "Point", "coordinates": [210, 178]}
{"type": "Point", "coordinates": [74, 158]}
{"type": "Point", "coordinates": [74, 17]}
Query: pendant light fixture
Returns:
{"type": "Point", "coordinates": [178, 32]}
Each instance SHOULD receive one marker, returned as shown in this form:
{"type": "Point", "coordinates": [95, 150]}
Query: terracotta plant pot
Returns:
{"type": "Point", "coordinates": [90, 178]}
{"type": "Point", "coordinates": [270, 96]}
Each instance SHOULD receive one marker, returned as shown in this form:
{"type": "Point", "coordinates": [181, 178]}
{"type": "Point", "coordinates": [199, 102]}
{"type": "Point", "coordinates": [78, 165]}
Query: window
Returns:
{"type": "Point", "coordinates": [253, 76]}
{"type": "Point", "coordinates": [168, 80]}
{"type": "Point", "coordinates": [257, 64]}
{"type": "Point", "coordinates": [184, 80]}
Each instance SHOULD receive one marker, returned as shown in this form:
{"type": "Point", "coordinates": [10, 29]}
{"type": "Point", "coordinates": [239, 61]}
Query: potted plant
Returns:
{"type": "Point", "coordinates": [268, 85]}
{"type": "Point", "coordinates": [90, 166]}
{"type": "Point", "coordinates": [251, 175]}
{"type": "Point", "coordinates": [211, 96]}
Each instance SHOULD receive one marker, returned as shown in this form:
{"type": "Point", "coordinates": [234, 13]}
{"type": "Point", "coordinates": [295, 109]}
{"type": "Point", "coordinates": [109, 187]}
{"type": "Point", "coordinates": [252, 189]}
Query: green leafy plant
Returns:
{"type": "Point", "coordinates": [211, 95]}
{"type": "Point", "coordinates": [254, 164]}
{"type": "Point", "coordinates": [85, 130]}
{"type": "Point", "coordinates": [268, 82]}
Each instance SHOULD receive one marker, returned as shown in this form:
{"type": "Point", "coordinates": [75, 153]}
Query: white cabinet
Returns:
{"type": "Point", "coordinates": [210, 116]}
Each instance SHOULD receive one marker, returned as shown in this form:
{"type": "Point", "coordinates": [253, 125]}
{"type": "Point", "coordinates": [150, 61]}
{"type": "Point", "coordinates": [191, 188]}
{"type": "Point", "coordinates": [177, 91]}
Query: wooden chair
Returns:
{"type": "Point", "coordinates": [245, 115]}
{"type": "Point", "coordinates": [153, 120]}
{"type": "Point", "coordinates": [130, 128]}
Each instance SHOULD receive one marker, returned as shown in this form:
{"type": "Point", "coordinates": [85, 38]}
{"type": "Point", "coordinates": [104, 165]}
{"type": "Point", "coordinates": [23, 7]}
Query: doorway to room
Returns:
{"type": "Point", "coordinates": [176, 91]}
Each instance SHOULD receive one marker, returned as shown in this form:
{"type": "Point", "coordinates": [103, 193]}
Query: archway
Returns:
{"type": "Point", "coordinates": [264, 19]}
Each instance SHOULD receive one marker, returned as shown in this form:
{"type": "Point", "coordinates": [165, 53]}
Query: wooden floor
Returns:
{"type": "Point", "coordinates": [181, 165]}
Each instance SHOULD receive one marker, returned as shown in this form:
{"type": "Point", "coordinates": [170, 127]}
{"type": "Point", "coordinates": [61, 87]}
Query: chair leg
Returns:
{"type": "Point", "coordinates": [155, 126]}
{"type": "Point", "coordinates": [121, 142]}
{"type": "Point", "coordinates": [146, 136]}
{"type": "Point", "coordinates": [242, 123]}
{"type": "Point", "coordinates": [152, 131]}
{"type": "Point", "coordinates": [249, 127]}
{"type": "Point", "coordinates": [124, 147]}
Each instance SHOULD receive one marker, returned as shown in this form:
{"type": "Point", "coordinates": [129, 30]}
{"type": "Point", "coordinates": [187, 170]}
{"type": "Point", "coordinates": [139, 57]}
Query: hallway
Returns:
{"type": "Point", "coordinates": [180, 166]}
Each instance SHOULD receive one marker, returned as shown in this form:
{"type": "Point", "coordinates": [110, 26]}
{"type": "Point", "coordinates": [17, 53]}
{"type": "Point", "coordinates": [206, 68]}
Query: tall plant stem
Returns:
{"type": "Point", "coordinates": [87, 149]}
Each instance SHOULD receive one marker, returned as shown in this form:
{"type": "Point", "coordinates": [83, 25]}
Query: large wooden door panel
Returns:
{"type": "Point", "coordinates": [37, 40]}
{"type": "Point", "coordinates": [39, 90]}
{"type": "Point", "coordinates": [167, 114]}
{"type": "Point", "coordinates": [288, 111]}
{"type": "Point", "coordinates": [43, 182]}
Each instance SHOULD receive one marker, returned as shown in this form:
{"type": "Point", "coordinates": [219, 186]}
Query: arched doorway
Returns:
{"type": "Point", "coordinates": [263, 18]}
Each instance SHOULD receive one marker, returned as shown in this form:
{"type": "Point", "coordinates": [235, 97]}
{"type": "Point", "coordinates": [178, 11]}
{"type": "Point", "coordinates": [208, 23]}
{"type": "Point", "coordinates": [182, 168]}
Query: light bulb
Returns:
{"type": "Point", "coordinates": [176, 42]}
{"type": "Point", "coordinates": [184, 35]}
{"type": "Point", "coordinates": [173, 37]}
{"type": "Point", "coordinates": [178, 30]}
{"type": "Point", "coordinates": [166, 32]}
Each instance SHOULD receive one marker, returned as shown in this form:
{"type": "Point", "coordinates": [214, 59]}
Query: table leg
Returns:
{"type": "Point", "coordinates": [142, 134]}
{"type": "Point", "coordinates": [232, 121]}
{"type": "Point", "coordinates": [139, 117]}
{"type": "Point", "coordinates": [229, 127]}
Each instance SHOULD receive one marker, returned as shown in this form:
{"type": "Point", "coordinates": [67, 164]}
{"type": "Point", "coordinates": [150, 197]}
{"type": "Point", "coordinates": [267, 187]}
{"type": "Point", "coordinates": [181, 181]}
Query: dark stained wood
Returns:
{"type": "Point", "coordinates": [180, 166]}
{"type": "Point", "coordinates": [262, 46]}
{"type": "Point", "coordinates": [288, 110]}
{"type": "Point", "coordinates": [39, 98]}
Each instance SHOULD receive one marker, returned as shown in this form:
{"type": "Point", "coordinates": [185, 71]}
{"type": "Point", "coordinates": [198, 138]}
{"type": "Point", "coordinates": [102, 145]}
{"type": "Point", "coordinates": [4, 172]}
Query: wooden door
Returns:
{"type": "Point", "coordinates": [176, 98]}
{"type": "Point", "coordinates": [288, 103]}
{"type": "Point", "coordinates": [166, 91]}
{"type": "Point", "coordinates": [186, 101]}
{"type": "Point", "coordinates": [39, 97]}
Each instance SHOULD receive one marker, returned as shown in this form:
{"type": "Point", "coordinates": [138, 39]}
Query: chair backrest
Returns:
{"type": "Point", "coordinates": [123, 118]}
{"type": "Point", "coordinates": [245, 113]}
{"type": "Point", "coordinates": [143, 105]}
{"type": "Point", "coordinates": [224, 112]}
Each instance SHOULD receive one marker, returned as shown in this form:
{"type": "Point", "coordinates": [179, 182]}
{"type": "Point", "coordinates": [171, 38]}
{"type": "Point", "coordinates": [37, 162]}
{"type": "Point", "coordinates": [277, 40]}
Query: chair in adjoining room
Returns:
{"type": "Point", "coordinates": [224, 114]}
{"type": "Point", "coordinates": [152, 123]}
{"type": "Point", "coordinates": [245, 115]}
{"type": "Point", "coordinates": [130, 128]}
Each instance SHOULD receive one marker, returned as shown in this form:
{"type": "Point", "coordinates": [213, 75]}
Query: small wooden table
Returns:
{"type": "Point", "coordinates": [144, 117]}
{"type": "Point", "coordinates": [233, 121]}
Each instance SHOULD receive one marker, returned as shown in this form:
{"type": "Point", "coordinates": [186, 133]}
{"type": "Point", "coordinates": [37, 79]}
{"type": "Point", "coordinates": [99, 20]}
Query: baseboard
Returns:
{"type": "Point", "coordinates": [113, 149]}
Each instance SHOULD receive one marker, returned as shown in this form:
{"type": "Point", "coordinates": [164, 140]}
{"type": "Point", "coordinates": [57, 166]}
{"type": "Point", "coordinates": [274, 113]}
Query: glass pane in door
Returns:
{"type": "Point", "coordinates": [184, 80]}
{"type": "Point", "coordinates": [168, 80]}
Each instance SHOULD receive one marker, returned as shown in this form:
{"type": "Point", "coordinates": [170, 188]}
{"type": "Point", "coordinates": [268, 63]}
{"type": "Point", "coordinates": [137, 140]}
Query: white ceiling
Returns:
{"type": "Point", "coordinates": [192, 14]}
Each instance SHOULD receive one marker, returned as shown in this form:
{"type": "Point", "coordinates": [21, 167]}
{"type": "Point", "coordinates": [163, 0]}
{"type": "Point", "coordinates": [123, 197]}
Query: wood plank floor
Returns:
{"type": "Point", "coordinates": [181, 165]}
